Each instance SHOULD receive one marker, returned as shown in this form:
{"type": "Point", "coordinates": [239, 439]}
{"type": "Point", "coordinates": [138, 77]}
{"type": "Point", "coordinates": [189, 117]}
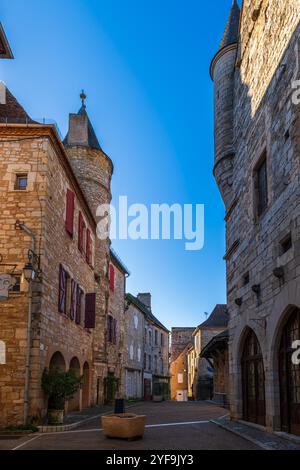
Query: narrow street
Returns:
{"type": "Point", "coordinates": [170, 425]}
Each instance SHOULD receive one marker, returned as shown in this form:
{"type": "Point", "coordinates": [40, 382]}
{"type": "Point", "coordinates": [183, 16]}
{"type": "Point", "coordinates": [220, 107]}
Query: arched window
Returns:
{"type": "Point", "coordinates": [2, 353]}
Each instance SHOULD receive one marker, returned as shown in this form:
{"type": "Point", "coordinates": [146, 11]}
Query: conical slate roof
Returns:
{"type": "Point", "coordinates": [231, 32]}
{"type": "Point", "coordinates": [93, 141]}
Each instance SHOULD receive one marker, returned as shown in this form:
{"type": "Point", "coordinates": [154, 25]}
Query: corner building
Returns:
{"type": "Point", "coordinates": [257, 150]}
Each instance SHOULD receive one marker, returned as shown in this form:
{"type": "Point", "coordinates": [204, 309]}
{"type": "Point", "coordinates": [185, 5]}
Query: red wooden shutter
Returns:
{"type": "Point", "coordinates": [72, 303]}
{"type": "Point", "coordinates": [80, 232]}
{"type": "Point", "coordinates": [78, 305]}
{"type": "Point", "coordinates": [88, 246]}
{"type": "Point", "coordinates": [70, 212]}
{"type": "Point", "coordinates": [90, 310]}
{"type": "Point", "coordinates": [115, 331]}
{"type": "Point", "coordinates": [111, 277]}
{"type": "Point", "coordinates": [62, 290]}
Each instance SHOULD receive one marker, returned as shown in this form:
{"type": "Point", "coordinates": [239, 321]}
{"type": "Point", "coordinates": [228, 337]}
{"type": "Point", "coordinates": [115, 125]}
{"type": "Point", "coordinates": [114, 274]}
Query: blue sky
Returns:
{"type": "Point", "coordinates": [144, 66]}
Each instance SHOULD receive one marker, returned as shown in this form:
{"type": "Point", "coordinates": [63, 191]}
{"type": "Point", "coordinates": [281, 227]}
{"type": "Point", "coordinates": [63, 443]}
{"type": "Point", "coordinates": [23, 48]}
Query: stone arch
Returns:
{"type": "Point", "coordinates": [74, 403]}
{"type": "Point", "coordinates": [283, 304]}
{"type": "Point", "coordinates": [237, 343]}
{"type": "Point", "coordinates": [86, 386]}
{"type": "Point", "coordinates": [2, 352]}
{"type": "Point", "coordinates": [57, 360]}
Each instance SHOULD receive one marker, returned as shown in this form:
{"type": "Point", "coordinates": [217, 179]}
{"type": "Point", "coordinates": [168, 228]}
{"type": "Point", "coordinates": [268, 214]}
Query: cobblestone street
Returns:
{"type": "Point", "coordinates": [170, 425]}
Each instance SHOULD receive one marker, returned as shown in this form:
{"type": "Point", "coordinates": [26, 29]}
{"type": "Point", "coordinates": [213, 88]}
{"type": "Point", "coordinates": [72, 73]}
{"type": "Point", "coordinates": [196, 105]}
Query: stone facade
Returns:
{"type": "Point", "coordinates": [134, 352]}
{"type": "Point", "coordinates": [116, 332]}
{"type": "Point", "coordinates": [257, 121]}
{"type": "Point", "coordinates": [181, 338]}
{"type": "Point", "coordinates": [155, 350]}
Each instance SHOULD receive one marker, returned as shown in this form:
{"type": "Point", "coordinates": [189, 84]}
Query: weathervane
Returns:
{"type": "Point", "coordinates": [83, 98]}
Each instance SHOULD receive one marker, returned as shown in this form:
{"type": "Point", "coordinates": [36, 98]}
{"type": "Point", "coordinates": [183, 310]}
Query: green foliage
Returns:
{"type": "Point", "coordinates": [60, 386]}
{"type": "Point", "coordinates": [22, 427]}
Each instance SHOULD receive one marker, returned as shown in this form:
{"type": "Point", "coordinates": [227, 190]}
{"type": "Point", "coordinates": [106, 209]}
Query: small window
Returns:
{"type": "Point", "coordinates": [68, 293]}
{"type": "Point", "coordinates": [180, 378]}
{"type": "Point", "coordinates": [17, 286]}
{"type": "Point", "coordinates": [156, 337]}
{"type": "Point", "coordinates": [161, 339]}
{"type": "Point", "coordinates": [150, 363]}
{"type": "Point", "coordinates": [145, 361]}
{"type": "Point", "coordinates": [246, 279]}
{"type": "Point", "coordinates": [21, 182]}
{"type": "Point", "coordinates": [261, 185]}
{"type": "Point", "coordinates": [286, 244]}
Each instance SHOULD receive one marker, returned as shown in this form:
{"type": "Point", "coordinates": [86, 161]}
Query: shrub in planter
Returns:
{"type": "Point", "coordinates": [59, 386]}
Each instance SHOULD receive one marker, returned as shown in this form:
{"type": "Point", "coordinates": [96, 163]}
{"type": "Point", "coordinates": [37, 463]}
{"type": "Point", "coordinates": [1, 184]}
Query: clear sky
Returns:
{"type": "Point", "coordinates": [144, 66]}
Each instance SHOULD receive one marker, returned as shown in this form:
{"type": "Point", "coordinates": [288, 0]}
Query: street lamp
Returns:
{"type": "Point", "coordinates": [28, 272]}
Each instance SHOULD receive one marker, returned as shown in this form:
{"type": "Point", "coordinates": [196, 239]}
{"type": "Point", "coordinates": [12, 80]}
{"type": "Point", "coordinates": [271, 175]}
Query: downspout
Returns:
{"type": "Point", "coordinates": [29, 321]}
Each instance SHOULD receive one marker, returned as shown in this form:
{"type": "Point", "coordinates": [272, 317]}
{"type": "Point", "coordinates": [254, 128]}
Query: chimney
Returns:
{"type": "Point", "coordinates": [145, 299]}
{"type": "Point", "coordinates": [78, 130]}
{"type": "Point", "coordinates": [2, 93]}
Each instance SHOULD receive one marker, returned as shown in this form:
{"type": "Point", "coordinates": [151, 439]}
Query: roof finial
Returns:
{"type": "Point", "coordinates": [83, 98]}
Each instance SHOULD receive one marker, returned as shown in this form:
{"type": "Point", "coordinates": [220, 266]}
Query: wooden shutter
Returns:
{"type": "Point", "coordinates": [72, 302]}
{"type": "Point", "coordinates": [111, 277]}
{"type": "Point", "coordinates": [80, 232]}
{"type": "Point", "coordinates": [70, 212]}
{"type": "Point", "coordinates": [90, 310]}
{"type": "Point", "coordinates": [110, 328]}
{"type": "Point", "coordinates": [115, 331]}
{"type": "Point", "coordinates": [78, 305]}
{"type": "Point", "coordinates": [88, 246]}
{"type": "Point", "coordinates": [62, 290]}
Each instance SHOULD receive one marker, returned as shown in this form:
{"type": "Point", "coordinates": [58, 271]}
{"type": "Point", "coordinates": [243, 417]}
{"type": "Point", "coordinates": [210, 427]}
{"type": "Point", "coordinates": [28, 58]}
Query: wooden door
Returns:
{"type": "Point", "coordinates": [254, 407]}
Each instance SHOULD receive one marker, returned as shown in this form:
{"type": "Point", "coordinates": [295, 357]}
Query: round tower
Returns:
{"type": "Point", "coordinates": [93, 170]}
{"type": "Point", "coordinates": [222, 73]}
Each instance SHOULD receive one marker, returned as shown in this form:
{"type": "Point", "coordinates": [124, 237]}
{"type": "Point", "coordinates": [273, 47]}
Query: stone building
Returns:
{"type": "Point", "coordinates": [215, 324]}
{"type": "Point", "coordinates": [257, 119]}
{"type": "Point", "coordinates": [134, 349]}
{"type": "Point", "coordinates": [155, 350]}
{"type": "Point", "coordinates": [191, 364]}
{"type": "Point", "coordinates": [49, 191]}
{"type": "Point", "coordinates": [181, 340]}
{"type": "Point", "coordinates": [116, 331]}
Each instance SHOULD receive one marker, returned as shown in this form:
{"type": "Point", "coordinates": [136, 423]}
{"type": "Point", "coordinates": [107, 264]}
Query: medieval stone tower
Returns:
{"type": "Point", "coordinates": [222, 73]}
{"type": "Point", "coordinates": [93, 169]}
{"type": "Point", "coordinates": [257, 115]}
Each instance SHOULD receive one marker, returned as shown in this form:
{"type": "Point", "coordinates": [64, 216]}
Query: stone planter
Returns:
{"type": "Point", "coordinates": [55, 417]}
{"type": "Point", "coordinates": [123, 426]}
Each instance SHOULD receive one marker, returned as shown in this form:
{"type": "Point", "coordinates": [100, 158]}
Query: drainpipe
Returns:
{"type": "Point", "coordinates": [29, 320]}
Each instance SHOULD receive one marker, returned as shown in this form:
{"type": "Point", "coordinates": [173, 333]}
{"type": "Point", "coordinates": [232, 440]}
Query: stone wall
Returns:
{"type": "Point", "coordinates": [134, 351]}
{"type": "Point", "coordinates": [265, 121]}
{"type": "Point", "coordinates": [116, 308]}
{"type": "Point", "coordinates": [180, 337]}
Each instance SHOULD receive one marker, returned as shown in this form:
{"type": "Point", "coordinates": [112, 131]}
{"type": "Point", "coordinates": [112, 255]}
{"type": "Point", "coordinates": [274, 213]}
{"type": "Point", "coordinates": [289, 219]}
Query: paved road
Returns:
{"type": "Point", "coordinates": [171, 426]}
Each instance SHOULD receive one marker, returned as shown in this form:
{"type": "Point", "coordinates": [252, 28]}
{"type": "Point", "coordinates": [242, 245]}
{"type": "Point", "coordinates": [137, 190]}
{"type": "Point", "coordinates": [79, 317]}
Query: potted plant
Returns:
{"type": "Point", "coordinates": [59, 386]}
{"type": "Point", "coordinates": [123, 426]}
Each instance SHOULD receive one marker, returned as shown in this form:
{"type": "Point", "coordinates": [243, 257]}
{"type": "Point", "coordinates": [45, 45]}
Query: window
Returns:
{"type": "Point", "coordinates": [17, 286]}
{"type": "Point", "coordinates": [150, 337]}
{"type": "Point", "coordinates": [111, 277]}
{"type": "Point", "coordinates": [261, 185]}
{"type": "Point", "coordinates": [155, 363]}
{"type": "Point", "coordinates": [286, 244]}
{"type": "Point", "coordinates": [62, 290]}
{"type": "Point", "coordinates": [180, 378]}
{"type": "Point", "coordinates": [161, 339]}
{"type": "Point", "coordinates": [2, 353]}
{"type": "Point", "coordinates": [112, 329]}
{"type": "Point", "coordinates": [246, 279]}
{"type": "Point", "coordinates": [70, 212]}
{"type": "Point", "coordinates": [156, 337]}
{"type": "Point", "coordinates": [21, 182]}
{"type": "Point", "coordinates": [88, 247]}
{"type": "Point", "coordinates": [79, 304]}
{"type": "Point", "coordinates": [68, 293]}
{"type": "Point", "coordinates": [90, 311]}
{"type": "Point", "coordinates": [150, 362]}
{"type": "Point", "coordinates": [145, 361]}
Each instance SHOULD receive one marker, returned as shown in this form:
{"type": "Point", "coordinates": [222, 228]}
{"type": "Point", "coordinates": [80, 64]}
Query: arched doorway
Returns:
{"type": "Point", "coordinates": [289, 375]}
{"type": "Point", "coordinates": [86, 386]}
{"type": "Point", "coordinates": [253, 378]}
{"type": "Point", "coordinates": [74, 403]}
